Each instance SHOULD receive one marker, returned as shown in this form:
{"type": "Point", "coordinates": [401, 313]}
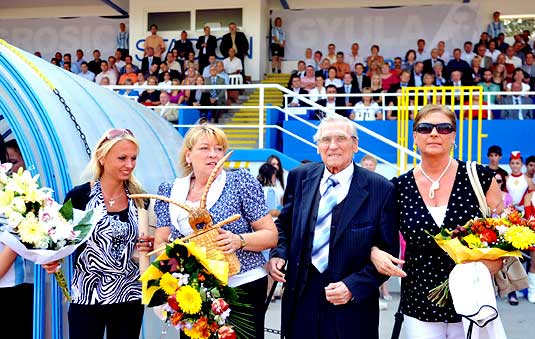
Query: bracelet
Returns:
{"type": "Point", "coordinates": [242, 241]}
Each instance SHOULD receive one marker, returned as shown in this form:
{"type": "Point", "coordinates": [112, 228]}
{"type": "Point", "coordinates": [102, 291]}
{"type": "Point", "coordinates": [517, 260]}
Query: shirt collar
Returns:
{"type": "Point", "coordinates": [344, 177]}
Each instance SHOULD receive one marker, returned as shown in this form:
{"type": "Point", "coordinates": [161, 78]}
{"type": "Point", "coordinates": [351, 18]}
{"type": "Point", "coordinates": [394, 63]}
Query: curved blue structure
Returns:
{"type": "Point", "coordinates": [35, 100]}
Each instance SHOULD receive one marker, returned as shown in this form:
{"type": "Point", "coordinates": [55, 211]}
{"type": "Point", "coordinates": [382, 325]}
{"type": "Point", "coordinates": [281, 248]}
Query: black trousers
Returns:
{"type": "Point", "coordinates": [17, 310]}
{"type": "Point", "coordinates": [121, 321]}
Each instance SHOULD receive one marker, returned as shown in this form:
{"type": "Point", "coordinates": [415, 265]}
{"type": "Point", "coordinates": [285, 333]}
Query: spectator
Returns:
{"type": "Point", "coordinates": [518, 48]}
{"type": "Point", "coordinates": [174, 66]}
{"type": "Point", "coordinates": [476, 102]}
{"type": "Point", "coordinates": [206, 45]}
{"type": "Point", "coordinates": [458, 64]}
{"type": "Point", "coordinates": [236, 40]}
{"type": "Point", "coordinates": [468, 53]}
{"type": "Point", "coordinates": [301, 69]}
{"type": "Point", "coordinates": [494, 154]}
{"type": "Point", "coordinates": [129, 74]}
{"type": "Point", "coordinates": [353, 57]}
{"type": "Point", "coordinates": [128, 61]}
{"type": "Point", "coordinates": [410, 59]}
{"type": "Point", "coordinates": [529, 68]}
{"type": "Point", "coordinates": [375, 68]}
{"type": "Point", "coordinates": [377, 87]}
{"type": "Point", "coordinates": [278, 42]}
{"type": "Point", "coordinates": [438, 71]}
{"type": "Point", "coordinates": [123, 40]}
{"type": "Point", "coordinates": [67, 66]}
{"type": "Point", "coordinates": [191, 62]}
{"type": "Point", "coordinates": [404, 80]}
{"type": "Point", "coordinates": [233, 65]}
{"type": "Point", "coordinates": [366, 109]}
{"type": "Point", "coordinates": [85, 72]}
{"type": "Point", "coordinates": [331, 102]}
{"type": "Point", "coordinates": [485, 61]}
{"type": "Point", "coordinates": [483, 40]}
{"type": "Point", "coordinates": [67, 59]}
{"type": "Point", "coordinates": [267, 176]}
{"type": "Point", "coordinates": [388, 77]}
{"type": "Point", "coordinates": [112, 66]}
{"type": "Point", "coordinates": [79, 60]}
{"type": "Point", "coordinates": [295, 86]}
{"type": "Point", "coordinates": [361, 79]}
{"type": "Point", "coordinates": [499, 75]}
{"type": "Point", "coordinates": [149, 60]}
{"type": "Point", "coordinates": [516, 99]}
{"type": "Point", "coordinates": [318, 56]}
{"type": "Point", "coordinates": [129, 92]}
{"type": "Point", "coordinates": [140, 79]}
{"type": "Point", "coordinates": [368, 162]}
{"type": "Point", "coordinates": [164, 67]}
{"type": "Point", "coordinates": [332, 79]}
{"type": "Point", "coordinates": [417, 74]}
{"type": "Point", "coordinates": [509, 68]}
{"type": "Point", "coordinates": [518, 78]}
{"type": "Point", "coordinates": [153, 71]}
{"type": "Point", "coordinates": [176, 96]}
{"type": "Point", "coordinates": [492, 51]}
{"type": "Point", "coordinates": [374, 57]}
{"type": "Point", "coordinates": [308, 81]}
{"type": "Point", "coordinates": [106, 72]}
{"type": "Point", "coordinates": [191, 76]}
{"type": "Point", "coordinates": [324, 70]}
{"type": "Point", "coordinates": [397, 66]}
{"type": "Point", "coordinates": [501, 44]}
{"type": "Point", "coordinates": [169, 112]}
{"type": "Point", "coordinates": [58, 56]}
{"type": "Point", "coordinates": [164, 80]}
{"type": "Point", "coordinates": [421, 53]}
{"type": "Point", "coordinates": [511, 58]}
{"type": "Point", "coordinates": [155, 41]}
{"type": "Point", "coordinates": [331, 53]}
{"type": "Point", "coordinates": [341, 67]}
{"type": "Point", "coordinates": [309, 59]}
{"type": "Point", "coordinates": [119, 60]}
{"type": "Point", "coordinates": [104, 81]}
{"type": "Point", "coordinates": [276, 162]}
{"type": "Point", "coordinates": [94, 65]}
{"type": "Point", "coordinates": [183, 47]}
{"type": "Point", "coordinates": [495, 28]}
{"type": "Point", "coordinates": [198, 97]}
{"type": "Point", "coordinates": [442, 53]}
{"type": "Point", "coordinates": [489, 86]}
{"type": "Point", "coordinates": [476, 70]}
{"type": "Point", "coordinates": [348, 88]}
{"type": "Point", "coordinates": [14, 156]}
{"type": "Point", "coordinates": [220, 66]}
{"type": "Point", "coordinates": [217, 96]}
{"type": "Point", "coordinates": [318, 92]}
{"type": "Point", "coordinates": [150, 97]}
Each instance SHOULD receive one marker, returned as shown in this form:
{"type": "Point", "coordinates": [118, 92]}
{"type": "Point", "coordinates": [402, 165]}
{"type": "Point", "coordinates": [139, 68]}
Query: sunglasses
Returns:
{"type": "Point", "coordinates": [118, 133]}
{"type": "Point", "coordinates": [427, 128]}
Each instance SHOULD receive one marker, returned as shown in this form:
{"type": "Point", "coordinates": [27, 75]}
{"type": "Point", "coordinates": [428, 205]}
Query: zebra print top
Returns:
{"type": "Point", "coordinates": [104, 271]}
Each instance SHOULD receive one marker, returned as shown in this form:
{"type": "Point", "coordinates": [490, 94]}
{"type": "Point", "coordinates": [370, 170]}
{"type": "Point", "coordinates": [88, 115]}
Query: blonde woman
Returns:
{"type": "Point", "coordinates": [231, 193]}
{"type": "Point", "coordinates": [367, 109]}
{"type": "Point", "coordinates": [106, 291]}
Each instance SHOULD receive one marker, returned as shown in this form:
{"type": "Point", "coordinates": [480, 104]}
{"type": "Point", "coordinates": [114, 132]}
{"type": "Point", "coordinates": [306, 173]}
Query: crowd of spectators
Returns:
{"type": "Point", "coordinates": [490, 63]}
{"type": "Point", "coordinates": [180, 66]}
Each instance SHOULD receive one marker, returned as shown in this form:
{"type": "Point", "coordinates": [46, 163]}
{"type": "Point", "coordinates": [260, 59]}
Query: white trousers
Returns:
{"type": "Point", "coordinates": [417, 329]}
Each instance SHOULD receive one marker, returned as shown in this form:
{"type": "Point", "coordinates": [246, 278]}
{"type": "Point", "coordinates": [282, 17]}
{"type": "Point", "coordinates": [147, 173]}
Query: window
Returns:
{"type": "Point", "coordinates": [217, 19]}
{"type": "Point", "coordinates": [516, 24]}
{"type": "Point", "coordinates": [170, 21]}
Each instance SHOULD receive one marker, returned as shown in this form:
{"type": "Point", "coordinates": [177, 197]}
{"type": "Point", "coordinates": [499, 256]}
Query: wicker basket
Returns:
{"type": "Point", "coordinates": [206, 238]}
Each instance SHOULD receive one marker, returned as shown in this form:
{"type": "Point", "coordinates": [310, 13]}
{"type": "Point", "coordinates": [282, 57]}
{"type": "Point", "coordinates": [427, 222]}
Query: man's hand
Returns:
{"type": "Point", "coordinates": [337, 293]}
{"type": "Point", "coordinates": [386, 264]}
{"type": "Point", "coordinates": [275, 266]}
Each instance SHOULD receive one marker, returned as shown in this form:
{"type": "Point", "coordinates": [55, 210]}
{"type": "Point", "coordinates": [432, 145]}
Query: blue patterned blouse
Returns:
{"type": "Point", "coordinates": [243, 195]}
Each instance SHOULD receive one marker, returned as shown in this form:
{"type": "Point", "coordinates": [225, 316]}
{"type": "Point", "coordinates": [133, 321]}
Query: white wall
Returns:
{"type": "Point", "coordinates": [254, 25]}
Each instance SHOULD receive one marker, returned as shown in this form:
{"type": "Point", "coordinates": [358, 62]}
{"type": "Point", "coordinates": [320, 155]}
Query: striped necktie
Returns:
{"type": "Point", "coordinates": [322, 231]}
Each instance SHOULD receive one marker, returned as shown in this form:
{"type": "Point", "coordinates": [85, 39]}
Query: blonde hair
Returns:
{"type": "Point", "coordinates": [435, 108]}
{"type": "Point", "coordinates": [368, 157]}
{"type": "Point", "coordinates": [95, 169]}
{"type": "Point", "coordinates": [191, 139]}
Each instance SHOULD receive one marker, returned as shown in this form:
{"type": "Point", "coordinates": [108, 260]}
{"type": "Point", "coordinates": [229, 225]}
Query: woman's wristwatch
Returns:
{"type": "Point", "coordinates": [242, 241]}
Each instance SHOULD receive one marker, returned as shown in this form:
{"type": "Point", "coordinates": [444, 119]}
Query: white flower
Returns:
{"type": "Point", "coordinates": [15, 218]}
{"type": "Point", "coordinates": [502, 229]}
{"type": "Point", "coordinates": [183, 279]}
{"type": "Point", "coordinates": [18, 205]}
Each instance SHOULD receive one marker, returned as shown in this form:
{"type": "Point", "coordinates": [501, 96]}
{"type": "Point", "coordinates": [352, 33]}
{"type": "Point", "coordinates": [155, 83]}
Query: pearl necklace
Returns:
{"type": "Point", "coordinates": [435, 184]}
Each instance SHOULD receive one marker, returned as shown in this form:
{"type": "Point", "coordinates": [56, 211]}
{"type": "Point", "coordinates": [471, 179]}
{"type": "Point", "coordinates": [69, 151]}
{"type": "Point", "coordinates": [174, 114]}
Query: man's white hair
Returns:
{"type": "Point", "coordinates": [333, 117]}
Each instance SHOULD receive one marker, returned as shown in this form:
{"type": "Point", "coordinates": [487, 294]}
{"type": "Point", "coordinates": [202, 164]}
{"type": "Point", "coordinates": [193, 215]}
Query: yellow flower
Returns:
{"type": "Point", "coordinates": [473, 241]}
{"type": "Point", "coordinates": [520, 237]}
{"type": "Point", "coordinates": [168, 283]}
{"type": "Point", "coordinates": [152, 273]}
{"type": "Point", "coordinates": [189, 299]}
{"type": "Point", "coordinates": [31, 231]}
{"type": "Point", "coordinates": [196, 333]}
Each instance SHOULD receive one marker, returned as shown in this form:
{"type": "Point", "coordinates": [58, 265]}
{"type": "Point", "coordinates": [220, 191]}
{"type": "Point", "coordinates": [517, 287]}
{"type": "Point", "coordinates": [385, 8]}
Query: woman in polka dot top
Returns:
{"type": "Point", "coordinates": [435, 194]}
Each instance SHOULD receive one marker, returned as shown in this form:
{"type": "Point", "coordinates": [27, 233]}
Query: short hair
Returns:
{"type": "Point", "coordinates": [67, 54]}
{"type": "Point", "coordinates": [467, 43]}
{"type": "Point", "coordinates": [359, 64]}
{"type": "Point", "coordinates": [83, 63]}
{"type": "Point", "coordinates": [405, 71]}
{"type": "Point", "coordinates": [368, 157]}
{"type": "Point", "coordinates": [494, 149]}
{"type": "Point", "coordinates": [457, 50]}
{"type": "Point", "coordinates": [375, 46]}
{"type": "Point", "coordinates": [331, 44]}
{"type": "Point", "coordinates": [103, 62]}
{"type": "Point", "coordinates": [332, 67]}
{"type": "Point", "coordinates": [318, 52]}
{"type": "Point", "coordinates": [340, 53]}
{"type": "Point", "coordinates": [529, 159]}
{"type": "Point", "coordinates": [192, 137]}
{"type": "Point", "coordinates": [153, 25]}
{"type": "Point", "coordinates": [330, 86]}
{"type": "Point", "coordinates": [435, 108]}
{"type": "Point", "coordinates": [420, 40]}
{"type": "Point", "coordinates": [351, 127]}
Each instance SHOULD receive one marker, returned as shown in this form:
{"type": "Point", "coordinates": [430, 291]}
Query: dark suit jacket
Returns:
{"type": "Point", "coordinates": [145, 67]}
{"type": "Point", "coordinates": [368, 217]}
{"type": "Point", "coordinates": [339, 101]}
{"type": "Point", "coordinates": [412, 82]}
{"type": "Point", "coordinates": [205, 98]}
{"type": "Point", "coordinates": [320, 73]}
{"type": "Point", "coordinates": [301, 103]}
{"type": "Point", "coordinates": [353, 90]}
{"type": "Point", "coordinates": [183, 48]}
{"type": "Point", "coordinates": [242, 44]}
{"type": "Point", "coordinates": [219, 92]}
{"type": "Point", "coordinates": [428, 65]}
{"type": "Point", "coordinates": [210, 47]}
{"type": "Point", "coordinates": [366, 81]}
{"type": "Point", "coordinates": [512, 114]}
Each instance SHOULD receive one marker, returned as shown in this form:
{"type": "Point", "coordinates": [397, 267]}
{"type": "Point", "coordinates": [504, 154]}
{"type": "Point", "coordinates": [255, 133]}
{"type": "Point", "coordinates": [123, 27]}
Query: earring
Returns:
{"type": "Point", "coordinates": [189, 164]}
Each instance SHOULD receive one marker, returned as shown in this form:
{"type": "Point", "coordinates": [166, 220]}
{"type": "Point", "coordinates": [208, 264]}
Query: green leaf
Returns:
{"type": "Point", "coordinates": [67, 210]}
{"type": "Point", "coordinates": [85, 225]}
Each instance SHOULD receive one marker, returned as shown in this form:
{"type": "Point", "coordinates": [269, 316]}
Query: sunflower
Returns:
{"type": "Point", "coordinates": [168, 284]}
{"type": "Point", "coordinates": [189, 299]}
{"type": "Point", "coordinates": [472, 241]}
{"type": "Point", "coordinates": [31, 231]}
{"type": "Point", "coordinates": [520, 237]}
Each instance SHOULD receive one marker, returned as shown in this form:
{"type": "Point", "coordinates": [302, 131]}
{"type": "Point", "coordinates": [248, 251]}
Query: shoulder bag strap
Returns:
{"type": "Point", "coordinates": [478, 190]}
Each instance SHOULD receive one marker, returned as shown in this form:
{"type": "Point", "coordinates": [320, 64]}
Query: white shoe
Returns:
{"type": "Point", "coordinates": [531, 288]}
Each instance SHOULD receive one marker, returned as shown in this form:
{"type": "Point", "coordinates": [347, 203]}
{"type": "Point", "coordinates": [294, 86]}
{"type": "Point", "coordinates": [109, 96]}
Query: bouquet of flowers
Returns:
{"type": "Point", "coordinates": [193, 291]}
{"type": "Point", "coordinates": [35, 226]}
{"type": "Point", "coordinates": [484, 239]}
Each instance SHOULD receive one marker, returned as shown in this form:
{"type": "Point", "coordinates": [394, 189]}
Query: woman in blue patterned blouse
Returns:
{"type": "Point", "coordinates": [231, 193]}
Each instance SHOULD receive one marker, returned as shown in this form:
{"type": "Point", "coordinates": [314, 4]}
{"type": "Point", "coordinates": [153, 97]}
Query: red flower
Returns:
{"type": "Point", "coordinates": [173, 303]}
{"type": "Point", "coordinates": [226, 332]}
{"type": "Point", "coordinates": [219, 306]}
{"type": "Point", "coordinates": [489, 236]}
{"type": "Point", "coordinates": [176, 317]}
{"type": "Point", "coordinates": [200, 277]}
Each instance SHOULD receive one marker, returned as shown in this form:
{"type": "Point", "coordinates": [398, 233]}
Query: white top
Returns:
{"type": "Point", "coordinates": [316, 94]}
{"type": "Point", "coordinates": [516, 61]}
{"type": "Point", "coordinates": [517, 187]}
{"type": "Point", "coordinates": [231, 66]}
{"type": "Point", "coordinates": [493, 55]}
{"type": "Point", "coordinates": [352, 60]}
{"type": "Point", "coordinates": [362, 112]}
{"type": "Point", "coordinates": [337, 82]}
{"type": "Point", "coordinates": [466, 57]}
{"type": "Point", "coordinates": [525, 87]}
{"type": "Point", "coordinates": [438, 213]}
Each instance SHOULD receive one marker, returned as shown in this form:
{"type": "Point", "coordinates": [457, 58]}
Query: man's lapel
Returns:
{"type": "Point", "coordinates": [309, 188]}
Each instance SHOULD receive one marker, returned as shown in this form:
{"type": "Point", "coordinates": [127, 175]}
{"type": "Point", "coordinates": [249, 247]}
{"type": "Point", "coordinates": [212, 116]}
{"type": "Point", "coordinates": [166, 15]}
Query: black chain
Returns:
{"type": "Point", "coordinates": [76, 124]}
{"type": "Point", "coordinates": [272, 330]}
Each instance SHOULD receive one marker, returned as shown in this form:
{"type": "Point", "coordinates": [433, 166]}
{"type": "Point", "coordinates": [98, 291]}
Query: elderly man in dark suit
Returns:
{"type": "Point", "coordinates": [517, 113]}
{"type": "Point", "coordinates": [334, 213]}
